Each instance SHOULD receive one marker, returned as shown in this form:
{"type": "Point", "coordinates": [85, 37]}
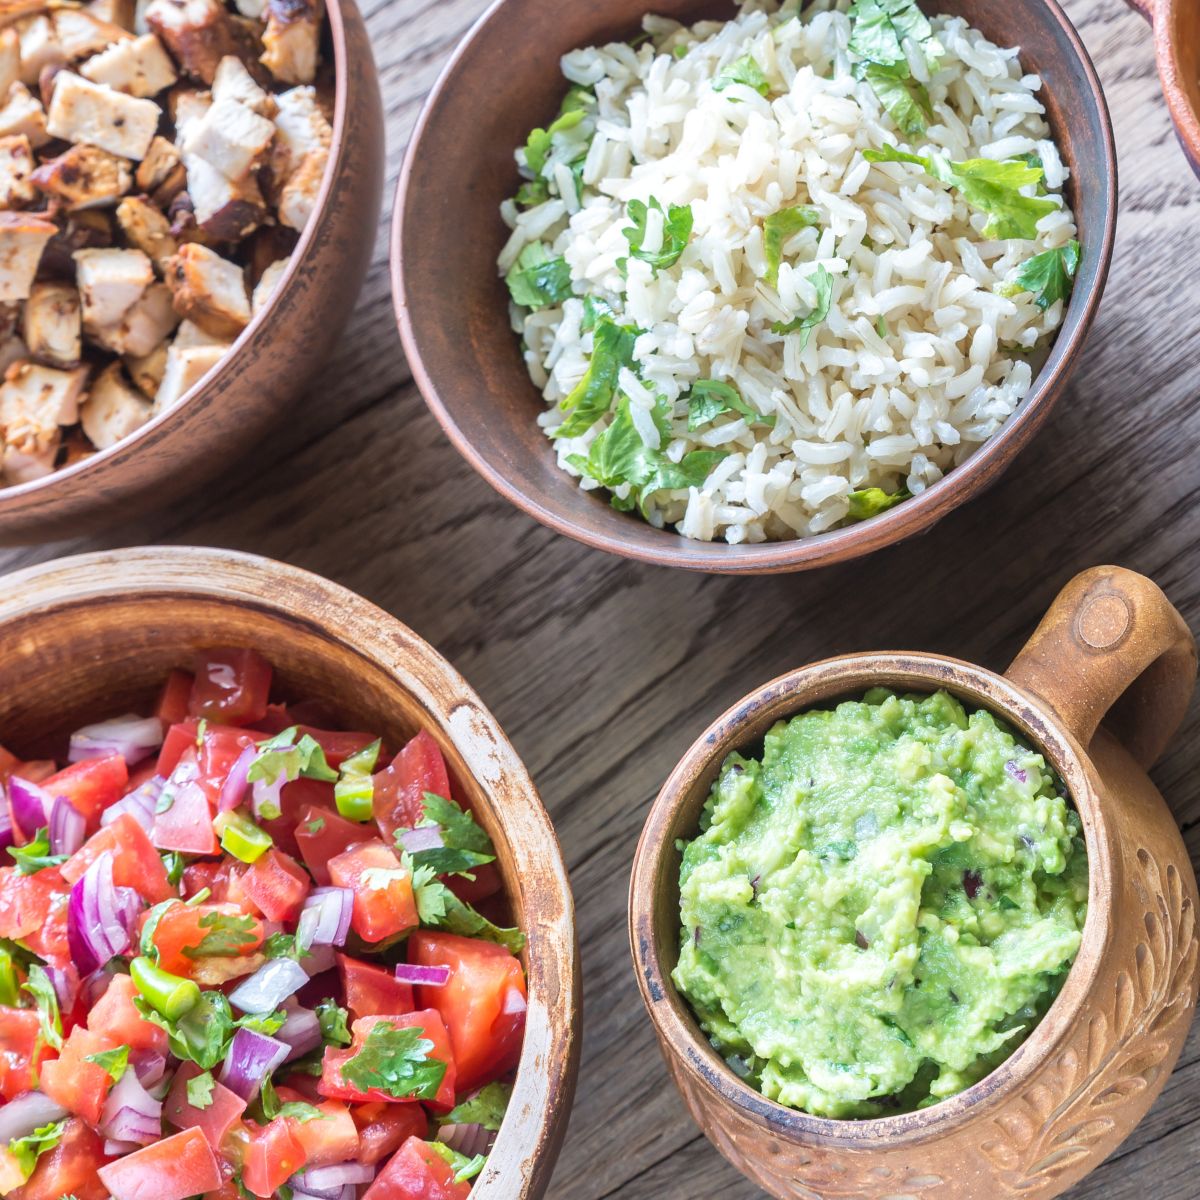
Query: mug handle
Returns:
{"type": "Point", "coordinates": [1145, 7]}
{"type": "Point", "coordinates": [1112, 647]}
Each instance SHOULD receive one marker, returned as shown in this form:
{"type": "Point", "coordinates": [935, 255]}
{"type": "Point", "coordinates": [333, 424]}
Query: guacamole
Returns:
{"type": "Point", "coordinates": [877, 912]}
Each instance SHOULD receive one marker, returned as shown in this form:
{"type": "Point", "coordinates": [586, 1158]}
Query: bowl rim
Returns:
{"type": "Point", "coordinates": [795, 691]}
{"type": "Point", "coordinates": [903, 521]}
{"type": "Point", "coordinates": [337, 146]}
{"type": "Point", "coordinates": [1166, 17]}
{"type": "Point", "coordinates": [526, 1148]}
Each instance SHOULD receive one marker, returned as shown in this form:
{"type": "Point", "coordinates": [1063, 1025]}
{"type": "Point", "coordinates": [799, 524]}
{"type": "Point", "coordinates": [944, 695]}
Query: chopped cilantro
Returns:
{"type": "Point", "coordinates": [881, 28]}
{"type": "Point", "coordinates": [486, 1107]}
{"type": "Point", "coordinates": [174, 863]}
{"type": "Point", "coordinates": [823, 282]}
{"type": "Point", "coordinates": [780, 226]}
{"type": "Point", "coordinates": [538, 279]}
{"type": "Point", "coordinates": [289, 757]}
{"type": "Point", "coordinates": [395, 1060]}
{"type": "Point", "coordinates": [870, 502]}
{"type": "Point", "coordinates": [540, 141]}
{"type": "Point", "coordinates": [114, 1061]}
{"type": "Point", "coordinates": [333, 1021]}
{"type": "Point", "coordinates": [26, 1150]}
{"type": "Point", "coordinates": [709, 398]}
{"type": "Point", "coordinates": [745, 71]}
{"type": "Point", "coordinates": [35, 855]}
{"type": "Point", "coordinates": [592, 397]}
{"type": "Point", "coordinates": [38, 985]}
{"type": "Point", "coordinates": [200, 1090]}
{"type": "Point", "coordinates": [676, 232]}
{"type": "Point", "coordinates": [439, 908]}
{"type": "Point", "coordinates": [465, 844]}
{"type": "Point", "coordinates": [1049, 275]}
{"type": "Point", "coordinates": [464, 1168]}
{"type": "Point", "coordinates": [283, 945]}
{"type": "Point", "coordinates": [227, 936]}
{"type": "Point", "coordinates": [905, 98]}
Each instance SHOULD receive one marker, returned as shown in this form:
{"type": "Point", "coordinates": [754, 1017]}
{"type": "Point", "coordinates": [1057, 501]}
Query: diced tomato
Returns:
{"type": "Point", "coordinates": [136, 863]}
{"type": "Point", "coordinates": [215, 1119]}
{"type": "Point", "coordinates": [337, 1087]}
{"type": "Point", "coordinates": [9, 763]}
{"type": "Point", "coordinates": [179, 1166]}
{"type": "Point", "coordinates": [172, 707]}
{"type": "Point", "coordinates": [185, 824]}
{"type": "Point", "coordinates": [183, 927]}
{"type": "Point", "coordinates": [114, 1016]}
{"type": "Point", "coordinates": [178, 738]}
{"type": "Point", "coordinates": [33, 909]}
{"type": "Point", "coordinates": [384, 1128]}
{"type": "Point", "coordinates": [399, 790]}
{"type": "Point", "coordinates": [219, 749]}
{"type": "Point", "coordinates": [294, 797]}
{"type": "Point", "coordinates": [417, 1172]}
{"type": "Point", "coordinates": [92, 785]}
{"type": "Point", "coordinates": [276, 720]}
{"type": "Point", "coordinates": [12, 1173]}
{"type": "Point", "coordinates": [323, 834]}
{"type": "Point", "coordinates": [277, 885]}
{"type": "Point", "coordinates": [383, 894]}
{"type": "Point", "coordinates": [372, 991]}
{"type": "Point", "coordinates": [231, 686]}
{"type": "Point", "coordinates": [78, 1085]}
{"type": "Point", "coordinates": [69, 1169]}
{"type": "Point", "coordinates": [272, 1156]}
{"type": "Point", "coordinates": [227, 1191]}
{"type": "Point", "coordinates": [330, 1138]}
{"type": "Point", "coordinates": [19, 1045]}
{"type": "Point", "coordinates": [141, 774]}
{"type": "Point", "coordinates": [338, 746]}
{"type": "Point", "coordinates": [483, 1004]}
{"type": "Point", "coordinates": [200, 875]}
{"type": "Point", "coordinates": [487, 882]}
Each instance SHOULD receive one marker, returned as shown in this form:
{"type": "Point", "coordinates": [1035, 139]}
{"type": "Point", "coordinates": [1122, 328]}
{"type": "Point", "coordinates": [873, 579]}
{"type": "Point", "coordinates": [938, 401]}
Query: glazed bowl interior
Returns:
{"type": "Point", "coordinates": [94, 636]}
{"type": "Point", "coordinates": [453, 307]}
{"type": "Point", "coordinates": [654, 894]}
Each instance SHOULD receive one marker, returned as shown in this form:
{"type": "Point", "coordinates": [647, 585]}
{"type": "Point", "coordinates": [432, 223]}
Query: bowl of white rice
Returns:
{"type": "Point", "coordinates": [753, 287]}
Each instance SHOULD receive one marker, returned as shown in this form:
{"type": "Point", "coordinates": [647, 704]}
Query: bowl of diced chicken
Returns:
{"type": "Point", "coordinates": [189, 191]}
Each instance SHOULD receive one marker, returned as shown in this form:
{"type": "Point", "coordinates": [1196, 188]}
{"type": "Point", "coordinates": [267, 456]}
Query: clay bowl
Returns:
{"type": "Point", "coordinates": [1110, 648]}
{"type": "Point", "coordinates": [95, 635]}
{"type": "Point", "coordinates": [225, 415]}
{"type": "Point", "coordinates": [1177, 49]}
{"type": "Point", "coordinates": [453, 309]}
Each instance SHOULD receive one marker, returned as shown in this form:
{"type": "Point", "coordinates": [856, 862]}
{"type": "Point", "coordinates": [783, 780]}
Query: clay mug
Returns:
{"type": "Point", "coordinates": [1099, 689]}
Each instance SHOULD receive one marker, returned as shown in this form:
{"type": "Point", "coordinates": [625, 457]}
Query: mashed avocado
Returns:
{"type": "Point", "coordinates": [878, 912]}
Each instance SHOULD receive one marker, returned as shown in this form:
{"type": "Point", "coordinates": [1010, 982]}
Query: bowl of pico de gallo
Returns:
{"type": "Point", "coordinates": [281, 914]}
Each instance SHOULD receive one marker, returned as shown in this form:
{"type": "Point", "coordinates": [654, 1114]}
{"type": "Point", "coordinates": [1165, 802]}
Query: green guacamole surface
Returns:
{"type": "Point", "coordinates": [877, 912]}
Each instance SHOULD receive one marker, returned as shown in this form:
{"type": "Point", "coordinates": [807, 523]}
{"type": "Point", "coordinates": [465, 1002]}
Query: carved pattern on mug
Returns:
{"type": "Point", "coordinates": [1115, 1056]}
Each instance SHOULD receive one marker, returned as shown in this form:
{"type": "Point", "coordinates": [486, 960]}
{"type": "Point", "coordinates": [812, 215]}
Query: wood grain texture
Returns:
{"type": "Point", "coordinates": [603, 671]}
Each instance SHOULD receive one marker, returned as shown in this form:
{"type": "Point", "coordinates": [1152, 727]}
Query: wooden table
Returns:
{"type": "Point", "coordinates": [603, 671]}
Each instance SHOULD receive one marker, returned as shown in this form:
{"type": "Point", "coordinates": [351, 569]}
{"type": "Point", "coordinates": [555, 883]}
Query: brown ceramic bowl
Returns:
{"type": "Point", "coordinates": [453, 309]}
{"type": "Point", "coordinates": [1110, 648]}
{"type": "Point", "coordinates": [91, 636]}
{"type": "Point", "coordinates": [1177, 49]}
{"type": "Point", "coordinates": [225, 415]}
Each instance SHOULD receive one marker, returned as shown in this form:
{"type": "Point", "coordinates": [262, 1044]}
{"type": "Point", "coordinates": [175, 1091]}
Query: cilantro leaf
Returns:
{"type": "Point", "coordinates": [38, 985]}
{"type": "Point", "coordinates": [464, 1168]}
{"type": "Point", "coordinates": [541, 141]}
{"type": "Point", "coordinates": [26, 1150]}
{"type": "Point", "coordinates": [174, 863]}
{"type": "Point", "coordinates": [991, 186]}
{"type": "Point", "coordinates": [905, 99]}
{"type": "Point", "coordinates": [200, 1090]}
{"type": "Point", "coordinates": [592, 397]}
{"type": "Point", "coordinates": [870, 502]}
{"type": "Point", "coordinates": [283, 945]}
{"type": "Point", "coordinates": [228, 936]}
{"type": "Point", "coordinates": [114, 1061]}
{"type": "Point", "coordinates": [395, 1060]}
{"type": "Point", "coordinates": [465, 844]}
{"type": "Point", "coordinates": [593, 309]}
{"type": "Point", "coordinates": [439, 908]}
{"type": "Point", "coordinates": [333, 1021]}
{"type": "Point", "coordinates": [146, 943]}
{"type": "Point", "coordinates": [532, 193]}
{"type": "Point", "coordinates": [823, 282]}
{"type": "Point", "coordinates": [202, 1034]}
{"type": "Point", "coordinates": [708, 399]}
{"type": "Point", "coordinates": [35, 855]}
{"type": "Point", "coordinates": [298, 1110]}
{"type": "Point", "coordinates": [539, 280]}
{"type": "Point", "coordinates": [288, 756]}
{"type": "Point", "coordinates": [745, 71]}
{"type": "Point", "coordinates": [780, 226]}
{"type": "Point", "coordinates": [676, 232]}
{"type": "Point", "coordinates": [882, 26]}
{"type": "Point", "coordinates": [487, 1107]}
{"type": "Point", "coordinates": [1049, 274]}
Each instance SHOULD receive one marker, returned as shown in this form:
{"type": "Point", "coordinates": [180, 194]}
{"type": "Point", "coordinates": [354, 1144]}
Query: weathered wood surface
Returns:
{"type": "Point", "coordinates": [603, 671]}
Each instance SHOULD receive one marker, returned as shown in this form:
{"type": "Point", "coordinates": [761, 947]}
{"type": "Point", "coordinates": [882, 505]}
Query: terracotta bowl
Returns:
{"type": "Point", "coordinates": [95, 635]}
{"type": "Point", "coordinates": [225, 415]}
{"type": "Point", "coordinates": [1111, 648]}
{"type": "Point", "coordinates": [1177, 48]}
{"type": "Point", "coordinates": [453, 309]}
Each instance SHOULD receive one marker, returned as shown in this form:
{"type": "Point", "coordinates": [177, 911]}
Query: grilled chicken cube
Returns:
{"type": "Point", "coordinates": [229, 137]}
{"type": "Point", "coordinates": [184, 369]}
{"type": "Point", "coordinates": [292, 39]}
{"type": "Point", "coordinates": [81, 33]}
{"type": "Point", "coordinates": [16, 166]}
{"type": "Point", "coordinates": [40, 47]}
{"type": "Point", "coordinates": [82, 111]}
{"type": "Point", "coordinates": [136, 66]}
{"type": "Point", "coordinates": [113, 408]}
{"type": "Point", "coordinates": [161, 159]}
{"type": "Point", "coordinates": [23, 115]}
{"type": "Point", "coordinates": [300, 128]}
{"type": "Point", "coordinates": [10, 59]}
{"type": "Point", "coordinates": [190, 334]}
{"type": "Point", "coordinates": [198, 33]}
{"type": "Point", "coordinates": [44, 395]}
{"type": "Point", "coordinates": [146, 370]}
{"type": "Point", "coordinates": [115, 12]}
{"type": "Point", "coordinates": [299, 195]}
{"type": "Point", "coordinates": [85, 177]}
{"type": "Point", "coordinates": [23, 237]}
{"type": "Point", "coordinates": [53, 324]}
{"type": "Point", "coordinates": [147, 229]}
{"type": "Point", "coordinates": [210, 290]}
{"type": "Point", "coordinates": [266, 286]}
{"type": "Point", "coordinates": [225, 209]}
{"type": "Point", "coordinates": [149, 320]}
{"type": "Point", "coordinates": [187, 105]}
{"type": "Point", "coordinates": [30, 451]}
{"type": "Point", "coordinates": [233, 82]}
{"type": "Point", "coordinates": [110, 282]}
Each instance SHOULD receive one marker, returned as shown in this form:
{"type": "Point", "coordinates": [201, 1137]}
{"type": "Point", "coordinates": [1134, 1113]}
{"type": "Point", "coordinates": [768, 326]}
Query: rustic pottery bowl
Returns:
{"type": "Point", "coordinates": [453, 309]}
{"type": "Point", "coordinates": [225, 415]}
{"type": "Point", "coordinates": [1111, 648]}
{"type": "Point", "coordinates": [91, 636]}
{"type": "Point", "coordinates": [1177, 49]}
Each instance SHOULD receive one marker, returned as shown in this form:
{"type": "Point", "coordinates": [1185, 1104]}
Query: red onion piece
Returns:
{"type": "Point", "coordinates": [68, 827]}
{"type": "Point", "coordinates": [30, 804]}
{"type": "Point", "coordinates": [426, 837]}
{"type": "Point", "coordinates": [319, 960]}
{"type": "Point", "coordinates": [252, 1057]}
{"type": "Point", "coordinates": [100, 916]}
{"type": "Point", "coordinates": [6, 825]}
{"type": "Point", "coordinates": [301, 1031]}
{"type": "Point", "coordinates": [133, 738]}
{"type": "Point", "coordinates": [66, 985]}
{"type": "Point", "coordinates": [139, 804]}
{"type": "Point", "coordinates": [329, 1181]}
{"type": "Point", "coordinates": [325, 918]}
{"type": "Point", "coordinates": [117, 1149]}
{"type": "Point", "coordinates": [431, 976]}
{"type": "Point", "coordinates": [269, 986]}
{"type": "Point", "coordinates": [130, 1113]}
{"type": "Point", "coordinates": [149, 1065]}
{"type": "Point", "coordinates": [469, 1139]}
{"type": "Point", "coordinates": [26, 1113]}
{"type": "Point", "coordinates": [233, 790]}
